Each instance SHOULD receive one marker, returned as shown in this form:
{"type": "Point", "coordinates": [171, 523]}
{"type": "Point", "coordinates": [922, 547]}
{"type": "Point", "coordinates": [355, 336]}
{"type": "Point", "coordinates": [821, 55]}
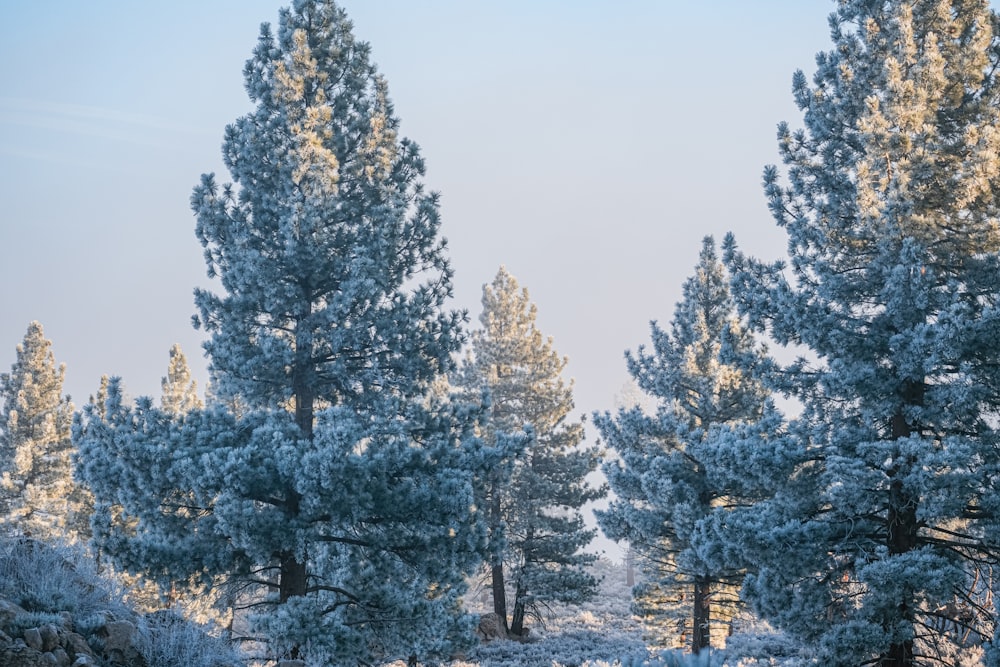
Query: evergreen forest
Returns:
{"type": "Point", "coordinates": [803, 470]}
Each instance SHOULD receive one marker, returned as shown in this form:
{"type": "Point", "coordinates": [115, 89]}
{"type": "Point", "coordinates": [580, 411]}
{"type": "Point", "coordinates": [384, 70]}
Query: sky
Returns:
{"type": "Point", "coordinates": [586, 145]}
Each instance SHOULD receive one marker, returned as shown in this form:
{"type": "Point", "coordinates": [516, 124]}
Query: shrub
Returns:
{"type": "Point", "coordinates": [168, 640]}
{"type": "Point", "coordinates": [52, 578]}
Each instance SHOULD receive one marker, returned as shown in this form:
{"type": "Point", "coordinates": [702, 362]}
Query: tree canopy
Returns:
{"type": "Point", "coordinates": [877, 538]}
{"type": "Point", "coordinates": [340, 496]}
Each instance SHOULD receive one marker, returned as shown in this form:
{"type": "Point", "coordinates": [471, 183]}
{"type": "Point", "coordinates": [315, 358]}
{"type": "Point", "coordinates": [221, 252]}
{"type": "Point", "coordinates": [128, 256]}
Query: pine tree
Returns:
{"type": "Point", "coordinates": [180, 392]}
{"type": "Point", "coordinates": [663, 481]}
{"type": "Point", "coordinates": [98, 400]}
{"type": "Point", "coordinates": [343, 487]}
{"type": "Point", "coordinates": [537, 529]}
{"type": "Point", "coordinates": [38, 496]}
{"type": "Point", "coordinates": [875, 544]}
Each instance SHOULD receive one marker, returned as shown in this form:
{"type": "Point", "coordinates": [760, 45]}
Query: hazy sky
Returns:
{"type": "Point", "coordinates": [588, 145]}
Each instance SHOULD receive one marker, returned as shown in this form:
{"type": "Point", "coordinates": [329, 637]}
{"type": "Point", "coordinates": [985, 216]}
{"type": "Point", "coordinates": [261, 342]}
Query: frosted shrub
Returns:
{"type": "Point", "coordinates": [571, 648]}
{"type": "Point", "coordinates": [765, 648]}
{"type": "Point", "coordinates": [167, 640]}
{"type": "Point", "coordinates": [681, 659]}
{"type": "Point", "coordinates": [51, 578]}
{"type": "Point", "coordinates": [33, 619]}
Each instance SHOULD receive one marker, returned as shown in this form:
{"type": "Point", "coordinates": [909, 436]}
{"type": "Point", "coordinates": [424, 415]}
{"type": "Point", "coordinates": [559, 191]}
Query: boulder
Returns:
{"type": "Point", "coordinates": [61, 656]}
{"type": "Point", "coordinates": [490, 628]}
{"type": "Point", "coordinates": [33, 638]}
{"type": "Point", "coordinates": [118, 639]}
{"type": "Point", "coordinates": [19, 655]}
{"type": "Point", "coordinates": [117, 635]}
{"type": "Point", "coordinates": [76, 645]}
{"type": "Point", "coordinates": [8, 612]}
{"type": "Point", "coordinates": [49, 635]}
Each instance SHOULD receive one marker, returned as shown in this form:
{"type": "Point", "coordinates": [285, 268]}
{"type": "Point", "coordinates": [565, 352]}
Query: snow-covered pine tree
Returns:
{"type": "Point", "coordinates": [662, 480]}
{"type": "Point", "coordinates": [98, 400]}
{"type": "Point", "coordinates": [38, 496]}
{"type": "Point", "coordinates": [180, 392]}
{"type": "Point", "coordinates": [343, 487]}
{"type": "Point", "coordinates": [536, 525]}
{"type": "Point", "coordinates": [873, 545]}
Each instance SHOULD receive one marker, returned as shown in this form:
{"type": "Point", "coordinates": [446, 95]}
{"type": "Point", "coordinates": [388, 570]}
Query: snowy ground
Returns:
{"type": "Point", "coordinates": [600, 631]}
{"type": "Point", "coordinates": [603, 633]}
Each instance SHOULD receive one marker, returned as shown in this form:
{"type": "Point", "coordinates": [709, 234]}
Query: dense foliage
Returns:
{"type": "Point", "coordinates": [339, 497]}
{"type": "Point", "coordinates": [878, 539]}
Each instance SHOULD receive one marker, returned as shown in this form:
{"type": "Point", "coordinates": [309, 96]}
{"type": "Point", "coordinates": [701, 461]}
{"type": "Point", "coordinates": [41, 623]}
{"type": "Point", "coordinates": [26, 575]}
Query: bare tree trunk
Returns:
{"type": "Point", "coordinates": [517, 618]}
{"type": "Point", "coordinates": [902, 525]}
{"type": "Point", "coordinates": [499, 596]}
{"type": "Point", "coordinates": [630, 568]}
{"type": "Point", "coordinates": [293, 575]}
{"type": "Point", "coordinates": [496, 570]}
{"type": "Point", "coordinates": [701, 615]}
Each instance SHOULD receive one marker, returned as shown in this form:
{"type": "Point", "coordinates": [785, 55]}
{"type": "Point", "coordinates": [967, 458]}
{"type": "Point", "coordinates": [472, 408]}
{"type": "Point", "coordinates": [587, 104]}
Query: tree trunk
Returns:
{"type": "Point", "coordinates": [293, 577]}
{"type": "Point", "coordinates": [701, 615]}
{"type": "Point", "coordinates": [499, 590]}
{"type": "Point", "coordinates": [902, 524]}
{"type": "Point", "coordinates": [499, 596]}
{"type": "Point", "coordinates": [901, 538]}
{"type": "Point", "coordinates": [517, 618]}
{"type": "Point", "coordinates": [630, 568]}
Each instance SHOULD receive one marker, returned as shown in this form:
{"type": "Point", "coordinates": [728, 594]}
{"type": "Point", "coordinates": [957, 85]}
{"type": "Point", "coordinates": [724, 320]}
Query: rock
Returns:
{"type": "Point", "coordinates": [117, 635]}
{"type": "Point", "coordinates": [292, 663]}
{"type": "Point", "coordinates": [50, 636]}
{"type": "Point", "coordinates": [9, 611]}
{"type": "Point", "coordinates": [119, 647]}
{"type": "Point", "coordinates": [22, 656]}
{"type": "Point", "coordinates": [62, 657]}
{"type": "Point", "coordinates": [490, 628]}
{"type": "Point", "coordinates": [33, 638]}
{"type": "Point", "coordinates": [83, 661]}
{"type": "Point", "coordinates": [76, 645]}
{"type": "Point", "coordinates": [50, 660]}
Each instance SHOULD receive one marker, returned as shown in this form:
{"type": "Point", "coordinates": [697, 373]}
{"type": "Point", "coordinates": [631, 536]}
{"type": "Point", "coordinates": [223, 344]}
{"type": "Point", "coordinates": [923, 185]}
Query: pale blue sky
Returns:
{"type": "Point", "coordinates": [586, 145]}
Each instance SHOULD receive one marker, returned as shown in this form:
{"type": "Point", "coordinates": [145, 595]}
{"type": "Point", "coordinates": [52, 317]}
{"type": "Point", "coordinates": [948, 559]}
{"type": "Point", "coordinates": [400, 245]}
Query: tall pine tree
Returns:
{"type": "Point", "coordinates": [38, 496]}
{"type": "Point", "coordinates": [874, 545]}
{"type": "Point", "coordinates": [534, 506]}
{"type": "Point", "coordinates": [662, 480]}
{"type": "Point", "coordinates": [343, 489]}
